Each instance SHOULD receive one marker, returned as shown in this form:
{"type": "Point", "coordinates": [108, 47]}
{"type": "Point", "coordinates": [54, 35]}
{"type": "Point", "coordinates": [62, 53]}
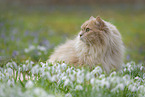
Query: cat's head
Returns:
{"type": "Point", "coordinates": [94, 31]}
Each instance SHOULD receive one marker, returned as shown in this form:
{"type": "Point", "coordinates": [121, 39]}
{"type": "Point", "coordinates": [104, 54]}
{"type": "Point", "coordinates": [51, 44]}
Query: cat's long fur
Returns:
{"type": "Point", "coordinates": [104, 47]}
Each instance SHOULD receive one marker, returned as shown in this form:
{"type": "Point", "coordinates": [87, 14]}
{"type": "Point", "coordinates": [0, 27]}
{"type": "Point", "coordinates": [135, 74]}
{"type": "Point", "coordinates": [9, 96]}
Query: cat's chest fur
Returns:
{"type": "Point", "coordinates": [90, 55]}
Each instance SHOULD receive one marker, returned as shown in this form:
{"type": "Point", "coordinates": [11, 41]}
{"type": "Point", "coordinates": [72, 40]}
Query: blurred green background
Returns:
{"type": "Point", "coordinates": [32, 28]}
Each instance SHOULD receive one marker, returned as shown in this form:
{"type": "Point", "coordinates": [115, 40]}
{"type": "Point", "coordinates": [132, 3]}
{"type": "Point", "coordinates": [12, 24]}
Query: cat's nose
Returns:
{"type": "Point", "coordinates": [81, 35]}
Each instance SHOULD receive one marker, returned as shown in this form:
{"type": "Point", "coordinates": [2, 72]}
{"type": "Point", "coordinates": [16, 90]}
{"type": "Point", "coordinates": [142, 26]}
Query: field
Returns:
{"type": "Point", "coordinates": [29, 35]}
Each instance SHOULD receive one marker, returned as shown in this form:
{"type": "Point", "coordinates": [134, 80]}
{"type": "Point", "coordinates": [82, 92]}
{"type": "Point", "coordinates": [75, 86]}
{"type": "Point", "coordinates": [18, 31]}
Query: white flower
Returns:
{"type": "Point", "coordinates": [102, 76]}
{"type": "Point", "coordinates": [144, 76]}
{"type": "Point", "coordinates": [97, 70]}
{"type": "Point", "coordinates": [124, 69]}
{"type": "Point", "coordinates": [141, 88]}
{"type": "Point", "coordinates": [88, 76]}
{"type": "Point", "coordinates": [39, 92]}
{"type": "Point", "coordinates": [68, 95]}
{"type": "Point", "coordinates": [26, 50]}
{"type": "Point", "coordinates": [132, 88]}
{"type": "Point", "coordinates": [63, 66]}
{"type": "Point", "coordinates": [31, 47]}
{"type": "Point", "coordinates": [11, 82]}
{"type": "Point", "coordinates": [72, 77]}
{"type": "Point", "coordinates": [120, 86]}
{"type": "Point", "coordinates": [113, 73]}
{"type": "Point", "coordinates": [64, 77]}
{"type": "Point", "coordinates": [67, 82]}
{"type": "Point", "coordinates": [104, 82]}
{"type": "Point", "coordinates": [141, 68]}
{"type": "Point", "coordinates": [68, 70]}
{"type": "Point", "coordinates": [2, 76]}
{"type": "Point", "coordinates": [39, 53]}
{"type": "Point", "coordinates": [29, 84]}
{"type": "Point", "coordinates": [9, 64]}
{"type": "Point", "coordinates": [24, 67]}
{"type": "Point", "coordinates": [126, 77]}
{"type": "Point", "coordinates": [41, 48]}
{"type": "Point", "coordinates": [53, 78]}
{"type": "Point", "coordinates": [14, 64]}
{"type": "Point", "coordinates": [92, 81]}
{"type": "Point", "coordinates": [78, 87]}
{"type": "Point", "coordinates": [80, 79]}
{"type": "Point", "coordinates": [35, 69]}
{"type": "Point", "coordinates": [42, 64]}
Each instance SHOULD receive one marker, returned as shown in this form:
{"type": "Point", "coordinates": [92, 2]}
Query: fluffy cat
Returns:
{"type": "Point", "coordinates": [98, 42]}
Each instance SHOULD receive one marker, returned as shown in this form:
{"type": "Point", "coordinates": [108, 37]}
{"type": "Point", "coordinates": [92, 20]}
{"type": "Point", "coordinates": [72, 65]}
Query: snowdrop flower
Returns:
{"type": "Point", "coordinates": [24, 67]}
{"type": "Point", "coordinates": [124, 69]}
{"type": "Point", "coordinates": [39, 92]}
{"type": "Point", "coordinates": [113, 73]}
{"type": "Point", "coordinates": [41, 48]}
{"type": "Point", "coordinates": [78, 87]}
{"type": "Point", "coordinates": [102, 76]}
{"type": "Point", "coordinates": [29, 84]}
{"type": "Point", "coordinates": [53, 78]}
{"type": "Point", "coordinates": [74, 72]}
{"type": "Point", "coordinates": [48, 75]}
{"type": "Point", "coordinates": [35, 69]}
{"type": "Point", "coordinates": [66, 82]}
{"type": "Point", "coordinates": [80, 78]}
{"type": "Point", "coordinates": [9, 64]}
{"type": "Point", "coordinates": [64, 77]}
{"type": "Point", "coordinates": [144, 76]}
{"type": "Point", "coordinates": [88, 76]}
{"type": "Point", "coordinates": [10, 71]}
{"type": "Point", "coordinates": [92, 81]}
{"type": "Point", "coordinates": [126, 77]}
{"type": "Point", "coordinates": [63, 66]}
{"type": "Point", "coordinates": [42, 64]}
{"type": "Point", "coordinates": [141, 88]}
{"type": "Point", "coordinates": [68, 70]}
{"type": "Point", "coordinates": [97, 70]}
{"type": "Point", "coordinates": [39, 53]}
{"type": "Point", "coordinates": [120, 86]}
{"type": "Point", "coordinates": [11, 82]}
{"type": "Point", "coordinates": [68, 95]}
{"type": "Point", "coordinates": [1, 76]}
{"type": "Point", "coordinates": [141, 68]}
{"type": "Point", "coordinates": [72, 77]}
{"type": "Point", "coordinates": [132, 88]}
{"type": "Point", "coordinates": [14, 64]}
{"type": "Point", "coordinates": [31, 47]}
{"type": "Point", "coordinates": [104, 82]}
{"type": "Point", "coordinates": [52, 69]}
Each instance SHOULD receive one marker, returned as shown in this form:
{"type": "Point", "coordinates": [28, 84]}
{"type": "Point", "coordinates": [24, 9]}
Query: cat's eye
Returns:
{"type": "Point", "coordinates": [87, 30]}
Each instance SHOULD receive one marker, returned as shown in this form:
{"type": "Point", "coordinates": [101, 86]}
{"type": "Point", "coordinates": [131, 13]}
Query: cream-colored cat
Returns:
{"type": "Point", "coordinates": [98, 42]}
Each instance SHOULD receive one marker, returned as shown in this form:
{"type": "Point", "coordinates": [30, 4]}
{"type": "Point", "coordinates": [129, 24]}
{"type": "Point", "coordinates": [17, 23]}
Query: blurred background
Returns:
{"type": "Point", "coordinates": [30, 29]}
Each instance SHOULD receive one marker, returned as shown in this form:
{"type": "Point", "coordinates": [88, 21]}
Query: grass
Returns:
{"type": "Point", "coordinates": [32, 33]}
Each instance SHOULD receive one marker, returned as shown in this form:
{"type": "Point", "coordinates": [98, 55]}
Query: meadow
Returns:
{"type": "Point", "coordinates": [29, 35]}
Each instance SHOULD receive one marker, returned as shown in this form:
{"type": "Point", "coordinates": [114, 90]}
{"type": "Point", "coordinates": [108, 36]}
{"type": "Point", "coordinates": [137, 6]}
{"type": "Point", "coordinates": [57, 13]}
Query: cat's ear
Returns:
{"type": "Point", "coordinates": [101, 23]}
{"type": "Point", "coordinates": [91, 17]}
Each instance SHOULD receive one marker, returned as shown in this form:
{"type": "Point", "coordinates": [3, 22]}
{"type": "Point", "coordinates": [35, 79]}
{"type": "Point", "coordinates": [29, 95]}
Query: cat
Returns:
{"type": "Point", "coordinates": [98, 42]}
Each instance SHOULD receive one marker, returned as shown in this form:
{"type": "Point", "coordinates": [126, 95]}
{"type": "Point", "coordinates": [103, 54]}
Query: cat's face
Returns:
{"type": "Point", "coordinates": [93, 31]}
